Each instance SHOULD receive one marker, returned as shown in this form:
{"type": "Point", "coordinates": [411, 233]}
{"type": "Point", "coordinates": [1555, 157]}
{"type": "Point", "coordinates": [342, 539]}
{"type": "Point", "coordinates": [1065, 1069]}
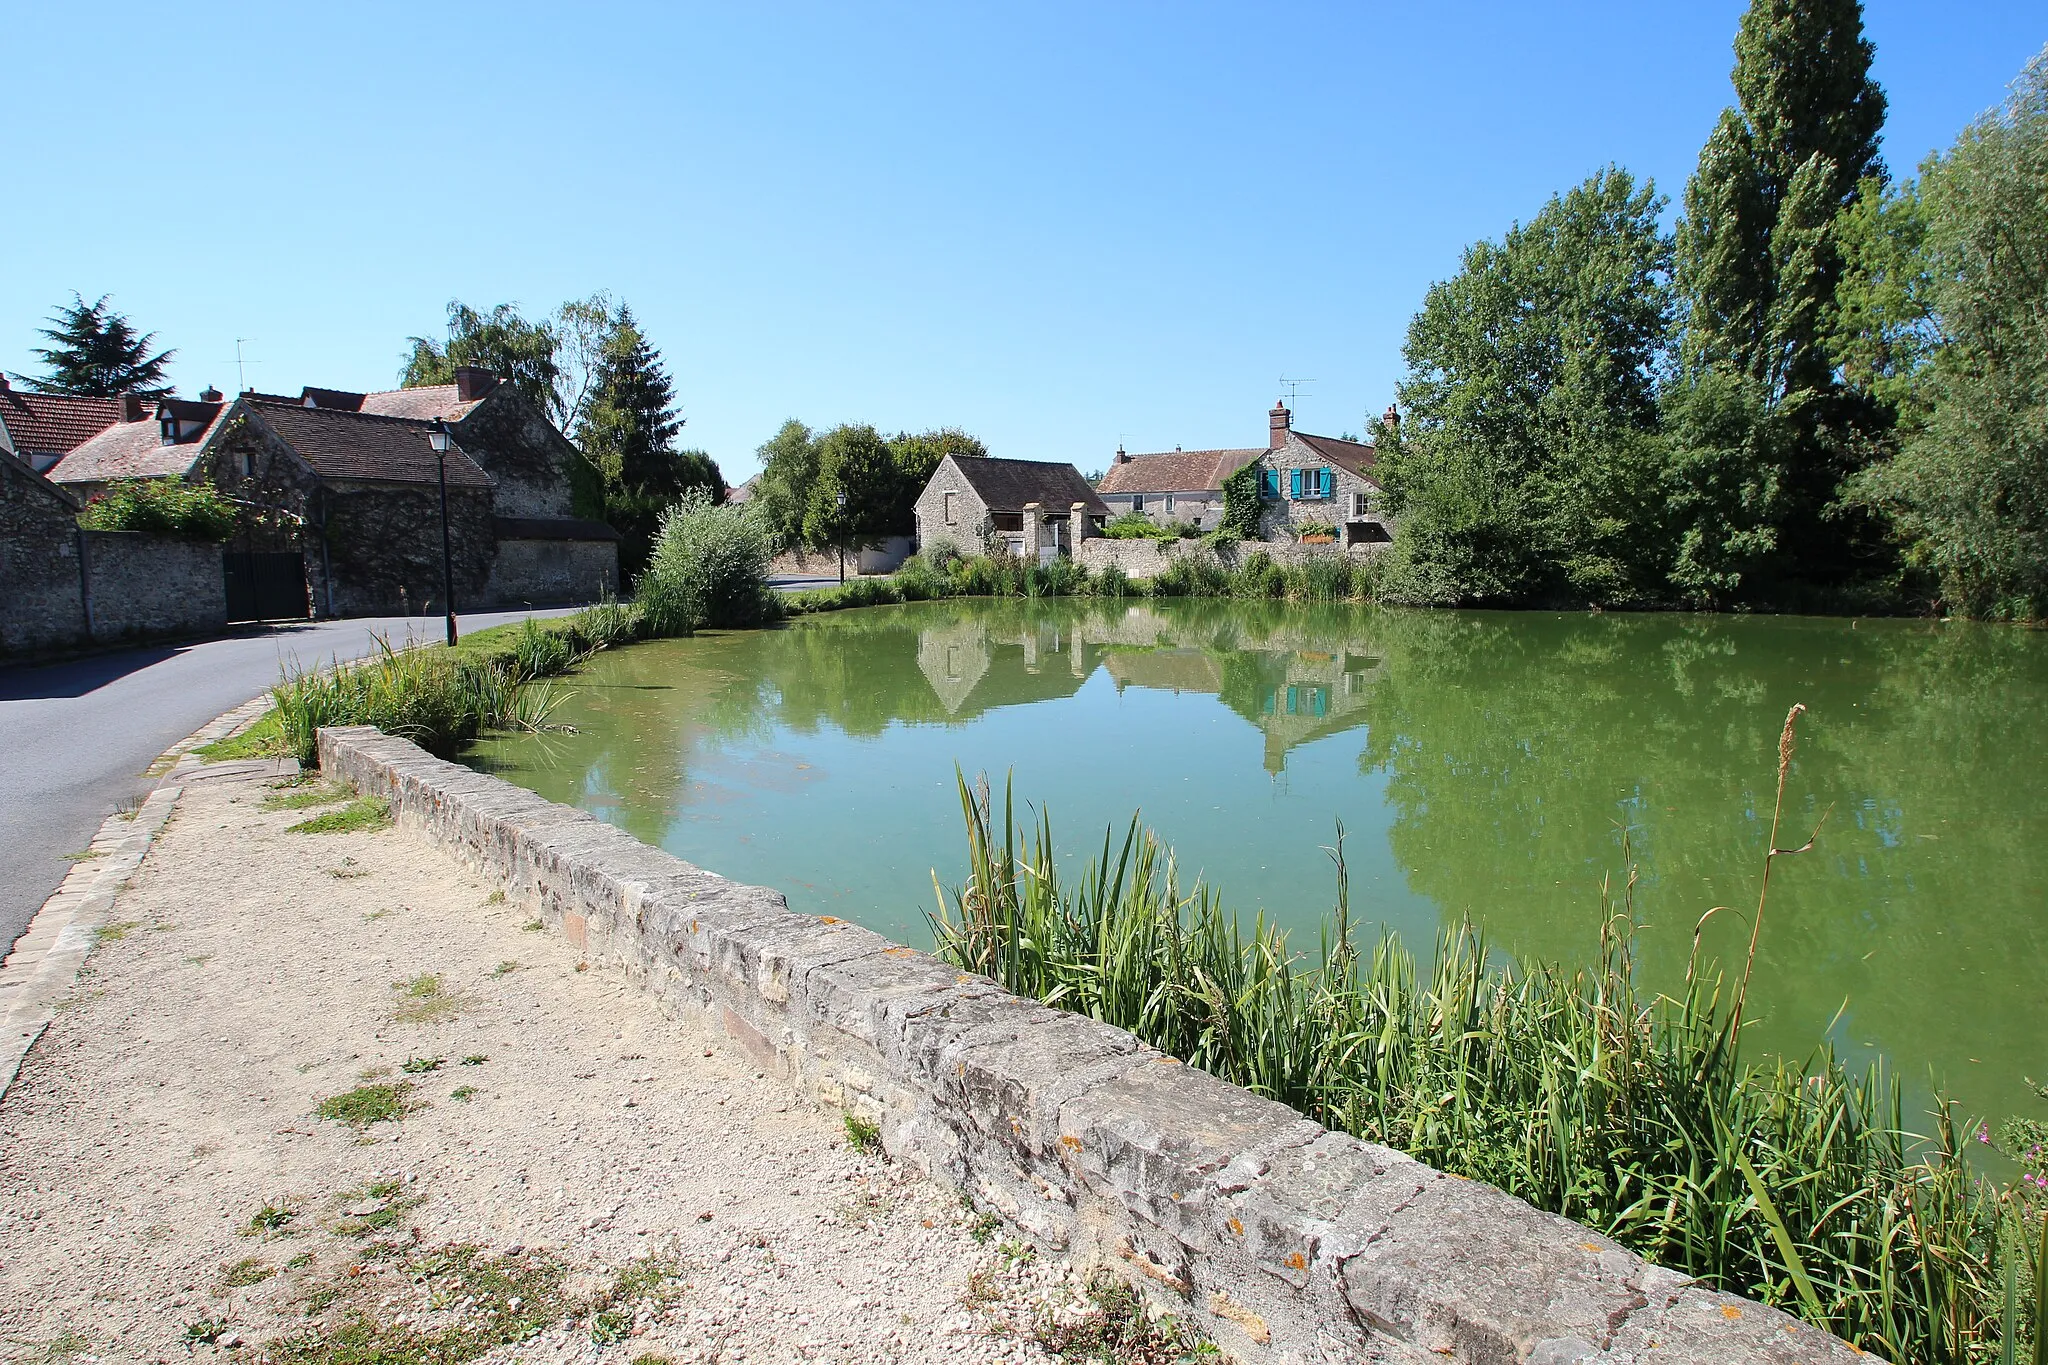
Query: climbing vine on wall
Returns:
{"type": "Point", "coordinates": [1241, 503]}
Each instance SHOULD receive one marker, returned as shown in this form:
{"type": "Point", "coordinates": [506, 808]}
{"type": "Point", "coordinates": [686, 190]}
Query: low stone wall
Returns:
{"type": "Point", "coordinates": [1148, 558]}
{"type": "Point", "coordinates": [145, 585]}
{"type": "Point", "coordinates": [540, 572]}
{"type": "Point", "coordinates": [882, 557]}
{"type": "Point", "coordinates": [1284, 1241]}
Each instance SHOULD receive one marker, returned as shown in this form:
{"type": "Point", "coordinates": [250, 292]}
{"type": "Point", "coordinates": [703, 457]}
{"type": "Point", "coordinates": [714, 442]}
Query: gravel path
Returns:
{"type": "Point", "coordinates": [574, 1164]}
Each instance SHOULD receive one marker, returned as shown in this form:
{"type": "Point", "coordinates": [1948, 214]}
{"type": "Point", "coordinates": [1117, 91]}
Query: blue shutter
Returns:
{"type": "Point", "coordinates": [1294, 483]}
{"type": "Point", "coordinates": [1329, 483]}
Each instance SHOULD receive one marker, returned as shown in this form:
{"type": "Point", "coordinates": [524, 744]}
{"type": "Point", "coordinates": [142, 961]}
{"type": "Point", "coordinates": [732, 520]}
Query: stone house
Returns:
{"type": "Point", "coordinates": [1173, 487]}
{"type": "Point", "coordinates": [41, 428]}
{"type": "Point", "coordinates": [341, 493]}
{"type": "Point", "coordinates": [1029, 507]}
{"type": "Point", "coordinates": [39, 572]}
{"type": "Point", "coordinates": [1318, 481]}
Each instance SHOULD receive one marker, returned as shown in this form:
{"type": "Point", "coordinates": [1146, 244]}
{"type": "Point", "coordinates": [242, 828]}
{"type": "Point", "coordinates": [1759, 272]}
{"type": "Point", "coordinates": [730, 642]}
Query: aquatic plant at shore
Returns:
{"type": "Point", "coordinates": [1636, 1114]}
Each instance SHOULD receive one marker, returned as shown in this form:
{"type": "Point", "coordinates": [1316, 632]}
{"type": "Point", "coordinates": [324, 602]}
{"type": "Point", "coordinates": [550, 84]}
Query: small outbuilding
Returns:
{"type": "Point", "coordinates": [1032, 508]}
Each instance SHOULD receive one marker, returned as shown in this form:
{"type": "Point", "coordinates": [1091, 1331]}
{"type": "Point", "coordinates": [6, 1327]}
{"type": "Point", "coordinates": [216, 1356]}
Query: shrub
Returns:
{"type": "Point", "coordinates": [1137, 526]}
{"type": "Point", "coordinates": [1112, 582]}
{"type": "Point", "coordinates": [1191, 577]}
{"type": "Point", "coordinates": [167, 507]}
{"type": "Point", "coordinates": [709, 568]}
{"type": "Point", "coordinates": [1325, 578]}
{"type": "Point", "coordinates": [938, 553]}
{"type": "Point", "coordinates": [1258, 577]}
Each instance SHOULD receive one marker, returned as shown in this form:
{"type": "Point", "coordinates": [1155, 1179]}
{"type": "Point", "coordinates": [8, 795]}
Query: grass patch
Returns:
{"type": "Point", "coordinates": [983, 1227]}
{"type": "Point", "coordinates": [113, 933]}
{"type": "Point", "coordinates": [204, 1332]}
{"type": "Point", "coordinates": [504, 1300]}
{"type": "Point", "coordinates": [495, 898]}
{"type": "Point", "coordinates": [264, 739]}
{"type": "Point", "coordinates": [464, 1093]}
{"type": "Point", "coordinates": [420, 1066]}
{"type": "Point", "coordinates": [425, 999]}
{"type": "Point", "coordinates": [384, 1102]}
{"type": "Point", "coordinates": [270, 1220]}
{"type": "Point", "coordinates": [358, 816]}
{"type": "Point", "coordinates": [245, 1272]}
{"type": "Point", "coordinates": [85, 855]}
{"type": "Point", "coordinates": [376, 1207]}
{"type": "Point", "coordinates": [505, 968]}
{"type": "Point", "coordinates": [861, 1134]}
{"type": "Point", "coordinates": [62, 1349]}
{"type": "Point", "coordinates": [475, 1059]}
{"type": "Point", "coordinates": [533, 926]}
{"type": "Point", "coordinates": [303, 796]}
{"type": "Point", "coordinates": [1119, 1331]}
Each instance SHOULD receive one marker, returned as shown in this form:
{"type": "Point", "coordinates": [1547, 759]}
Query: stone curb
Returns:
{"type": "Point", "coordinates": [44, 963]}
{"type": "Point", "coordinates": [220, 727]}
{"type": "Point", "coordinates": [1284, 1241]}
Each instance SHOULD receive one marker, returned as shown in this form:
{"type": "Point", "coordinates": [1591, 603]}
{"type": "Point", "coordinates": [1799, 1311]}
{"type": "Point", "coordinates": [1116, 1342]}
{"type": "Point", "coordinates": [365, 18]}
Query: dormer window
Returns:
{"type": "Point", "coordinates": [168, 425]}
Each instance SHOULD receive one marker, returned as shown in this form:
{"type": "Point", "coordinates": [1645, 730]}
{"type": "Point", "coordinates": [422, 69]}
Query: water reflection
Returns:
{"type": "Point", "coordinates": [1486, 766]}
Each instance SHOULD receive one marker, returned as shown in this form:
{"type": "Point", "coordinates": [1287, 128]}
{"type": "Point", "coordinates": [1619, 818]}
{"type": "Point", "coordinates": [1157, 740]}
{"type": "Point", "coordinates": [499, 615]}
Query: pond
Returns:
{"type": "Point", "coordinates": [1485, 766]}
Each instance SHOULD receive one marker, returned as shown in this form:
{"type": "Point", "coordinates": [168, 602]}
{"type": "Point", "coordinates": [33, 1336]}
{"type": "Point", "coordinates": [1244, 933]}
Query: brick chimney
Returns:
{"type": "Point", "coordinates": [209, 394]}
{"type": "Point", "coordinates": [473, 382]}
{"type": "Point", "coordinates": [1278, 423]}
{"type": "Point", "coordinates": [1121, 458]}
{"type": "Point", "coordinates": [1392, 417]}
{"type": "Point", "coordinates": [131, 407]}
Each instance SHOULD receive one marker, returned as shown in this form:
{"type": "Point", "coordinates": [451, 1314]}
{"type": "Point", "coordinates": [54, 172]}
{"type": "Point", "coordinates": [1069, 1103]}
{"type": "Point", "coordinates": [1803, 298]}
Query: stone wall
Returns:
{"type": "Point", "coordinates": [41, 593]}
{"type": "Point", "coordinates": [1277, 519]}
{"type": "Point", "coordinates": [520, 448]}
{"type": "Point", "coordinates": [885, 556]}
{"type": "Point", "coordinates": [143, 585]}
{"type": "Point", "coordinates": [1148, 558]}
{"type": "Point", "coordinates": [1285, 1242]}
{"type": "Point", "coordinates": [968, 526]}
{"type": "Point", "coordinates": [541, 572]}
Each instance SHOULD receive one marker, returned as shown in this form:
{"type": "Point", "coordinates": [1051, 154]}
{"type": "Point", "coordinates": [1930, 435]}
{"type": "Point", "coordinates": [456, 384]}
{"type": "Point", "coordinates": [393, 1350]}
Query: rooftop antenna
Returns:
{"type": "Point", "coordinates": [241, 375]}
{"type": "Point", "coordinates": [1292, 386]}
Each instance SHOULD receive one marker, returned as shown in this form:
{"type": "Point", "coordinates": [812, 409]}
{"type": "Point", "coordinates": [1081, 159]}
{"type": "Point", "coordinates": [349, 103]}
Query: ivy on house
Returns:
{"type": "Point", "coordinates": [1241, 503]}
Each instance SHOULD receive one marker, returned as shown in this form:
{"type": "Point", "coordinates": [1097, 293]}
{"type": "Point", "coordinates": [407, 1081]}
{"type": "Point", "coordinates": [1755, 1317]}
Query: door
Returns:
{"type": "Point", "coordinates": [265, 585]}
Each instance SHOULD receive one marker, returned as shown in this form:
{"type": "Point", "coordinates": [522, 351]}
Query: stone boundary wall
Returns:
{"type": "Point", "coordinates": [1148, 558]}
{"type": "Point", "coordinates": [144, 585]}
{"type": "Point", "coordinates": [882, 557]}
{"type": "Point", "coordinates": [1284, 1241]}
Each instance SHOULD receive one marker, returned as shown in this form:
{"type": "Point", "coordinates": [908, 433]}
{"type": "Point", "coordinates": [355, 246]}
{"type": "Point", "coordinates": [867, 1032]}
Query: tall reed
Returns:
{"type": "Point", "coordinates": [1637, 1114]}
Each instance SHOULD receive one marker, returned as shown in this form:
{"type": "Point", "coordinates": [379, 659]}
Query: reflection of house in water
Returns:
{"type": "Point", "coordinates": [973, 667]}
{"type": "Point", "coordinates": [1293, 696]}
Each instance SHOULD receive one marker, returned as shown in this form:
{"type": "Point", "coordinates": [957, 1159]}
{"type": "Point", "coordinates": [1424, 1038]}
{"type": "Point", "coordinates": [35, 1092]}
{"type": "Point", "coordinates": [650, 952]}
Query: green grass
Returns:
{"type": "Point", "coordinates": [245, 1272]}
{"type": "Point", "coordinates": [1119, 1332]}
{"type": "Point", "coordinates": [420, 1066]}
{"type": "Point", "coordinates": [363, 815]}
{"type": "Point", "coordinates": [303, 795]}
{"type": "Point", "coordinates": [464, 1093]}
{"type": "Point", "coordinates": [862, 1134]}
{"type": "Point", "coordinates": [263, 739]}
{"type": "Point", "coordinates": [367, 1104]}
{"type": "Point", "coordinates": [270, 1220]}
{"type": "Point", "coordinates": [425, 999]}
{"type": "Point", "coordinates": [1639, 1116]}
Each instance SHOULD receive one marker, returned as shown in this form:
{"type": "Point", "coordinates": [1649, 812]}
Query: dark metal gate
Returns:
{"type": "Point", "coordinates": [265, 585]}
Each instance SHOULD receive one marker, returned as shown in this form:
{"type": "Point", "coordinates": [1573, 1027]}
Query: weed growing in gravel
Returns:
{"type": "Point", "coordinates": [425, 1000]}
{"type": "Point", "coordinates": [85, 855]}
{"type": "Point", "coordinates": [61, 1349]}
{"type": "Point", "coordinates": [261, 740]}
{"type": "Point", "coordinates": [505, 968]}
{"type": "Point", "coordinates": [862, 1135]}
{"type": "Point", "coordinates": [368, 1104]}
{"type": "Point", "coordinates": [984, 1226]}
{"type": "Point", "coordinates": [475, 1059]}
{"type": "Point", "coordinates": [360, 816]}
{"type": "Point", "coordinates": [348, 872]}
{"type": "Point", "coordinates": [420, 1066]}
{"type": "Point", "coordinates": [271, 1219]}
{"type": "Point", "coordinates": [326, 794]}
{"type": "Point", "coordinates": [651, 1284]}
{"type": "Point", "coordinates": [113, 933]}
{"type": "Point", "coordinates": [245, 1272]}
{"type": "Point", "coordinates": [533, 926]}
{"type": "Point", "coordinates": [379, 1205]}
{"type": "Point", "coordinates": [1119, 1331]}
{"type": "Point", "coordinates": [204, 1332]}
{"type": "Point", "coordinates": [464, 1093]}
{"type": "Point", "coordinates": [495, 898]}
{"type": "Point", "coordinates": [500, 1300]}
{"type": "Point", "coordinates": [864, 1207]}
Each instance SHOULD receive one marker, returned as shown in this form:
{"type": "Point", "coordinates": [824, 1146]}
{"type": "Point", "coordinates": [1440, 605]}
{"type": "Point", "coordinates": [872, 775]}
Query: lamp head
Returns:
{"type": "Point", "coordinates": [438, 437]}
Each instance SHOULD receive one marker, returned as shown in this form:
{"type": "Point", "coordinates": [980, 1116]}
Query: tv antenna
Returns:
{"type": "Point", "coordinates": [1293, 387]}
{"type": "Point", "coordinates": [241, 374]}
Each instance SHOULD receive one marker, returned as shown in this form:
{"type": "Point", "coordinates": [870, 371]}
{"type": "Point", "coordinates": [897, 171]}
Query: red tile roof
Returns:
{"type": "Point", "coordinates": [53, 423]}
{"type": "Point", "coordinates": [1355, 456]}
{"type": "Point", "coordinates": [365, 447]}
{"type": "Point", "coordinates": [136, 450]}
{"type": "Point", "coordinates": [1006, 485]}
{"type": "Point", "coordinates": [1176, 471]}
{"type": "Point", "coordinates": [434, 400]}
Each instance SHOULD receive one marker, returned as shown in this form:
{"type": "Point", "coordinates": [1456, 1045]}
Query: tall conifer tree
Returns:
{"type": "Point", "coordinates": [96, 353]}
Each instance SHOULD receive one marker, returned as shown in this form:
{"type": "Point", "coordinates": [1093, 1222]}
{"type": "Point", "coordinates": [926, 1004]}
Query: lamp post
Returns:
{"type": "Point", "coordinates": [842, 536]}
{"type": "Point", "coordinates": [440, 440]}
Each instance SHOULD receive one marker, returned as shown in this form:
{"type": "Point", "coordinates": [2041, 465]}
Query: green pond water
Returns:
{"type": "Point", "coordinates": [1485, 766]}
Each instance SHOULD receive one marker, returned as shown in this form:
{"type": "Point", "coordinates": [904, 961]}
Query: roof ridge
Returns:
{"type": "Point", "coordinates": [351, 413]}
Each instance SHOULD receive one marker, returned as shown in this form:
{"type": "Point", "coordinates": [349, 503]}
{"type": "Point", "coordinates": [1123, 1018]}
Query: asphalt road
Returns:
{"type": "Point", "coordinates": [75, 736]}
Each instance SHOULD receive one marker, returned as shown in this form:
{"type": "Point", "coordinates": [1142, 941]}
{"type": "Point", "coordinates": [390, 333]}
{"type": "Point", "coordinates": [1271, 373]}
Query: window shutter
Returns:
{"type": "Point", "coordinates": [1294, 483]}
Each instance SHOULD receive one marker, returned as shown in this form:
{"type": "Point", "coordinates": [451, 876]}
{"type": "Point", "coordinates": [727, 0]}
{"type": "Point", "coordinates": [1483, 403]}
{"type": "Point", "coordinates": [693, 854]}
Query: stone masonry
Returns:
{"type": "Point", "coordinates": [1286, 1242]}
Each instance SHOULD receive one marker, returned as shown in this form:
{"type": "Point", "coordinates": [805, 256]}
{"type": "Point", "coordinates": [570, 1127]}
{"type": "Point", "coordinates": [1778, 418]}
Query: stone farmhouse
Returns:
{"type": "Point", "coordinates": [342, 497]}
{"type": "Point", "coordinates": [1305, 481]}
{"type": "Point", "coordinates": [1030, 507]}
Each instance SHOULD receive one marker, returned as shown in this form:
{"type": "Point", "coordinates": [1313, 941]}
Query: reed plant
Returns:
{"type": "Point", "coordinates": [1794, 1182]}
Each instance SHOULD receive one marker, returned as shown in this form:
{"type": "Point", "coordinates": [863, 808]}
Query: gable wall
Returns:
{"type": "Point", "coordinates": [42, 600]}
{"type": "Point", "coordinates": [970, 526]}
{"type": "Point", "coordinates": [520, 448]}
{"type": "Point", "coordinates": [1277, 519]}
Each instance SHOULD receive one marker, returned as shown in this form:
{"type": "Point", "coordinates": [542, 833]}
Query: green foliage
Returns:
{"type": "Point", "coordinates": [1523, 473]}
{"type": "Point", "coordinates": [863, 1135]}
{"type": "Point", "coordinates": [520, 352]}
{"type": "Point", "coordinates": [368, 1104]}
{"type": "Point", "coordinates": [1241, 503]}
{"type": "Point", "coordinates": [1968, 269]}
{"type": "Point", "coordinates": [1138, 526]}
{"type": "Point", "coordinates": [858, 492]}
{"type": "Point", "coordinates": [95, 353]}
{"type": "Point", "coordinates": [166, 507]}
{"type": "Point", "coordinates": [1636, 1116]}
{"type": "Point", "coordinates": [709, 568]}
{"type": "Point", "coordinates": [803, 475]}
{"type": "Point", "coordinates": [357, 817]}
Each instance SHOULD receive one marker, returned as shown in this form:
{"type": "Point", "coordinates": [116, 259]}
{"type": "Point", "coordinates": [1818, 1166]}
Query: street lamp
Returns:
{"type": "Point", "coordinates": [440, 439]}
{"type": "Point", "coordinates": [842, 536]}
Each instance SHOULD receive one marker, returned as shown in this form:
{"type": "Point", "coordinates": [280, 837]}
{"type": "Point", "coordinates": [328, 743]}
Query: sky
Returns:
{"type": "Point", "coordinates": [1061, 227]}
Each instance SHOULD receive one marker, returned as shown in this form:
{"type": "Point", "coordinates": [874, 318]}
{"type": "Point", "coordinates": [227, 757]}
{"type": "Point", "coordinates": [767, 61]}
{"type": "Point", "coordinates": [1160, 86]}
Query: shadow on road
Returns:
{"type": "Point", "coordinates": [80, 676]}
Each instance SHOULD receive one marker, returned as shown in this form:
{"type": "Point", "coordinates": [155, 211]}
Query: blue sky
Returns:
{"type": "Point", "coordinates": [1059, 226]}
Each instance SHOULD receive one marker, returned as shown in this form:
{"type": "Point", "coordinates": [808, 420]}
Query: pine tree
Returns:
{"type": "Point", "coordinates": [630, 427]}
{"type": "Point", "coordinates": [1758, 267]}
{"type": "Point", "coordinates": [97, 354]}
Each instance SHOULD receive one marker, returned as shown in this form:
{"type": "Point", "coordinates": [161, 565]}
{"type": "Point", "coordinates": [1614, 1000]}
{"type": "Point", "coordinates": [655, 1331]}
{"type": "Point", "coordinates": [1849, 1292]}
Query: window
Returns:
{"type": "Point", "coordinates": [1358, 507]}
{"type": "Point", "coordinates": [948, 499]}
{"type": "Point", "coordinates": [248, 464]}
{"type": "Point", "coordinates": [1308, 484]}
{"type": "Point", "coordinates": [1169, 502]}
{"type": "Point", "coordinates": [1269, 484]}
{"type": "Point", "coordinates": [1137, 502]}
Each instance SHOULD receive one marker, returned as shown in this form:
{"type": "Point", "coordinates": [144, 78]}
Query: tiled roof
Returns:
{"type": "Point", "coordinates": [1175, 471]}
{"type": "Point", "coordinates": [134, 450]}
{"type": "Point", "coordinates": [361, 446]}
{"type": "Point", "coordinates": [422, 404]}
{"type": "Point", "coordinates": [51, 423]}
{"type": "Point", "coordinates": [346, 399]}
{"type": "Point", "coordinates": [1355, 456]}
{"type": "Point", "coordinates": [1006, 485]}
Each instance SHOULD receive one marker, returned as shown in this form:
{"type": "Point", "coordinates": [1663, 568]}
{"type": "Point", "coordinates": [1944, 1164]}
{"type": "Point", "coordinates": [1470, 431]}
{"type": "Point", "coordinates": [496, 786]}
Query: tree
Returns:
{"type": "Point", "coordinates": [1758, 263]}
{"type": "Point", "coordinates": [855, 497]}
{"type": "Point", "coordinates": [1527, 469]}
{"type": "Point", "coordinates": [96, 353]}
{"type": "Point", "coordinates": [520, 352]}
{"type": "Point", "coordinates": [1955, 294]}
{"type": "Point", "coordinates": [789, 469]}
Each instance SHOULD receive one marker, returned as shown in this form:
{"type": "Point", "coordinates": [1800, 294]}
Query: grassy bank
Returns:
{"type": "Point", "coordinates": [1638, 1115]}
{"type": "Point", "coordinates": [1256, 577]}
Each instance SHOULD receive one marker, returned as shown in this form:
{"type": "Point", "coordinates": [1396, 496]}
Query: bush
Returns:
{"type": "Point", "coordinates": [1137, 526]}
{"type": "Point", "coordinates": [165, 507]}
{"type": "Point", "coordinates": [709, 568]}
{"type": "Point", "coordinates": [1326, 578]}
{"type": "Point", "coordinates": [1113, 582]}
{"type": "Point", "coordinates": [1191, 578]}
{"type": "Point", "coordinates": [1258, 577]}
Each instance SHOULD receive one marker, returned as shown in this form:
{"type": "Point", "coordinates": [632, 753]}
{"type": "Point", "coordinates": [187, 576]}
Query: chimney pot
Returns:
{"type": "Point", "coordinates": [209, 394]}
{"type": "Point", "coordinates": [473, 382]}
{"type": "Point", "coordinates": [1121, 458]}
{"type": "Point", "coordinates": [1278, 422]}
{"type": "Point", "coordinates": [131, 407]}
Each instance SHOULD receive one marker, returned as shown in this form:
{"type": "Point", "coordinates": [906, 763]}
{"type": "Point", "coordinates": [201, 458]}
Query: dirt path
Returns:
{"type": "Point", "coordinates": [575, 1176]}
